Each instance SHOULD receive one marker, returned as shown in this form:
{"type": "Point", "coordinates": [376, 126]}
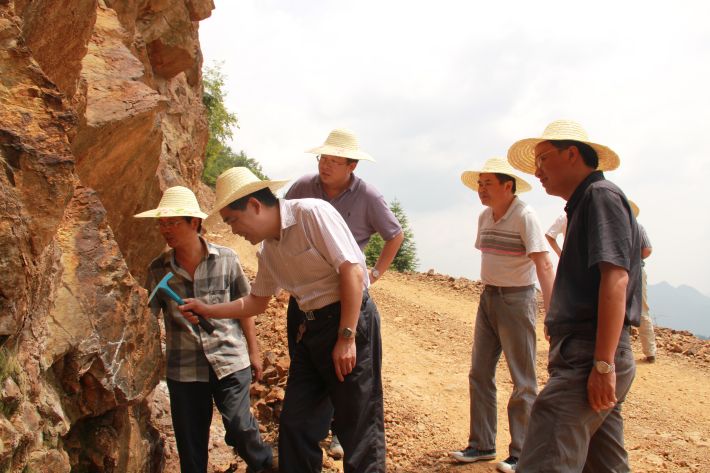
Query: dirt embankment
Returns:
{"type": "Point", "coordinates": [427, 328]}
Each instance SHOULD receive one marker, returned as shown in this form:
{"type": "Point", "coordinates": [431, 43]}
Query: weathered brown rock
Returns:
{"type": "Point", "coordinates": [94, 124]}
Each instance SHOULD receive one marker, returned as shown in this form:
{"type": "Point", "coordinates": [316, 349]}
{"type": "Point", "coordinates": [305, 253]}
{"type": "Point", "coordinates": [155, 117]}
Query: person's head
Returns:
{"type": "Point", "coordinates": [561, 157]}
{"type": "Point", "coordinates": [494, 190]}
{"type": "Point", "coordinates": [338, 157]}
{"type": "Point", "coordinates": [562, 165]}
{"type": "Point", "coordinates": [247, 204]}
{"type": "Point", "coordinates": [496, 182]}
{"type": "Point", "coordinates": [178, 216]}
{"type": "Point", "coordinates": [335, 170]}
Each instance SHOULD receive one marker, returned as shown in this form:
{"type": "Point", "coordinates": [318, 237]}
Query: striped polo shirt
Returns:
{"type": "Point", "coordinates": [506, 244]}
{"type": "Point", "coordinates": [313, 243]}
{"type": "Point", "coordinates": [190, 351]}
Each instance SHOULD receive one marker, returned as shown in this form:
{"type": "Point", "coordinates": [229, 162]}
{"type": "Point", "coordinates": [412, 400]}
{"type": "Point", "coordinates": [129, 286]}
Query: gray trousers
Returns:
{"type": "Point", "coordinates": [565, 434]}
{"type": "Point", "coordinates": [505, 322]}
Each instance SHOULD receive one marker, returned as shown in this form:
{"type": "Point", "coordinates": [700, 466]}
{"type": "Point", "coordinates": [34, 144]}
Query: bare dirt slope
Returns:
{"type": "Point", "coordinates": [427, 327]}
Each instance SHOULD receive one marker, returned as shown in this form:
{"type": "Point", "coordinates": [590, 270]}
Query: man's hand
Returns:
{"type": "Point", "coordinates": [344, 357]}
{"type": "Point", "coordinates": [257, 364]}
{"type": "Point", "coordinates": [372, 277]}
{"type": "Point", "coordinates": [601, 390]}
{"type": "Point", "coordinates": [192, 307]}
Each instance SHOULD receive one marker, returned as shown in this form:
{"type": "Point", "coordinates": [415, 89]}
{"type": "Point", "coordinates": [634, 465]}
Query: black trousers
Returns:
{"type": "Point", "coordinates": [191, 410]}
{"type": "Point", "coordinates": [314, 396]}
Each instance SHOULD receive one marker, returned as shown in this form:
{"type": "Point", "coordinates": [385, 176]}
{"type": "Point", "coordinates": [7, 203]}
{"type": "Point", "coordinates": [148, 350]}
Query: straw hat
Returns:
{"type": "Point", "coordinates": [634, 208]}
{"type": "Point", "coordinates": [522, 154]}
{"type": "Point", "coordinates": [177, 201]}
{"type": "Point", "coordinates": [343, 143]}
{"type": "Point", "coordinates": [494, 165]}
{"type": "Point", "coordinates": [235, 183]}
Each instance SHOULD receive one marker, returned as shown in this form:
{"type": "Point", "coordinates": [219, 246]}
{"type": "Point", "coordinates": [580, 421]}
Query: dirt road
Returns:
{"type": "Point", "coordinates": [427, 332]}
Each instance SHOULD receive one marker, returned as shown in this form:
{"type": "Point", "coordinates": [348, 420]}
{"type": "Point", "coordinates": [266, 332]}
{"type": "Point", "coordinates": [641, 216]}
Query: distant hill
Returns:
{"type": "Point", "coordinates": [680, 308]}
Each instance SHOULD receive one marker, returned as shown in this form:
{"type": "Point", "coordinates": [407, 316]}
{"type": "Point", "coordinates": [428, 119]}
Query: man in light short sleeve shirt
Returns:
{"type": "Point", "coordinates": [513, 256]}
{"type": "Point", "coordinates": [308, 250]}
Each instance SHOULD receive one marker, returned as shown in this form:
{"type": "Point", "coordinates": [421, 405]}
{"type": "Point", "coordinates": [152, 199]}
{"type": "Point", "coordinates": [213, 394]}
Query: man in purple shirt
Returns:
{"type": "Point", "coordinates": [362, 207]}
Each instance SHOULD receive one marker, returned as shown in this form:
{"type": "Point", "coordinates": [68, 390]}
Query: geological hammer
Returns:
{"type": "Point", "coordinates": [163, 285]}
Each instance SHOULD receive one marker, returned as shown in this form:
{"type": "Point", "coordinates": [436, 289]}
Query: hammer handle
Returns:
{"type": "Point", "coordinates": [205, 324]}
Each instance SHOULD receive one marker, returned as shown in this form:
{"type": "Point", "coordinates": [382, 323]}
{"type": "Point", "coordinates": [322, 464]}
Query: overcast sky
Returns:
{"type": "Point", "coordinates": [436, 88]}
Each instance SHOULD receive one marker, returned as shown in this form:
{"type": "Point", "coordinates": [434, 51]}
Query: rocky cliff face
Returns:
{"type": "Point", "coordinates": [100, 110]}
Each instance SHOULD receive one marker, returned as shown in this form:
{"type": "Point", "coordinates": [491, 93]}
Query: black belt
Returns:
{"type": "Point", "coordinates": [331, 308]}
{"type": "Point", "coordinates": [507, 290]}
{"type": "Point", "coordinates": [584, 329]}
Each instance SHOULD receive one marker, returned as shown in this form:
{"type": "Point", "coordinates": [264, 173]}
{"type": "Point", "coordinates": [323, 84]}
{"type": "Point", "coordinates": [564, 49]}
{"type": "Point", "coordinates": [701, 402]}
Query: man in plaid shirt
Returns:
{"type": "Point", "coordinates": [203, 367]}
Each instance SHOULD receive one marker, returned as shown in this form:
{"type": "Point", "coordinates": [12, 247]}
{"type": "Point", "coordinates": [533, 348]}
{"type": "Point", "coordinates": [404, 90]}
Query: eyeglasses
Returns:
{"type": "Point", "coordinates": [168, 223]}
{"type": "Point", "coordinates": [328, 161]}
{"type": "Point", "coordinates": [539, 158]}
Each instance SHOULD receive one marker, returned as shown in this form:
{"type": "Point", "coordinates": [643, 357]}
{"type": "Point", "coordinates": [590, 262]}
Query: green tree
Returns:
{"type": "Point", "coordinates": [219, 155]}
{"type": "Point", "coordinates": [406, 259]}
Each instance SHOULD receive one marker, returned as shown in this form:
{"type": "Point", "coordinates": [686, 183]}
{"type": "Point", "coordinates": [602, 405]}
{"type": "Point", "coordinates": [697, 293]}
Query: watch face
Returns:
{"type": "Point", "coordinates": [346, 333]}
{"type": "Point", "coordinates": [603, 367]}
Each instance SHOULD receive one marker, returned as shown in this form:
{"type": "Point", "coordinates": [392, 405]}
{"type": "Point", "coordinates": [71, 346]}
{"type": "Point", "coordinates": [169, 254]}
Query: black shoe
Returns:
{"type": "Point", "coordinates": [470, 455]}
{"type": "Point", "coordinates": [508, 465]}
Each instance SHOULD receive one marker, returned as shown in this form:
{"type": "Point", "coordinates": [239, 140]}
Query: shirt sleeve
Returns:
{"type": "Point", "coordinates": [533, 238]}
{"type": "Point", "coordinates": [610, 234]}
{"type": "Point", "coordinates": [330, 236]}
{"type": "Point", "coordinates": [265, 283]}
{"type": "Point", "coordinates": [382, 219]}
{"type": "Point", "coordinates": [559, 226]}
{"type": "Point", "coordinates": [238, 283]}
{"type": "Point", "coordinates": [645, 242]}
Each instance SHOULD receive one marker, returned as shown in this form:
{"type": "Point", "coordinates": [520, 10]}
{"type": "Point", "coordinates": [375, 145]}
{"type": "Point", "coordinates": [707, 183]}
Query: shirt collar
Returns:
{"type": "Point", "coordinates": [288, 219]}
{"type": "Point", "coordinates": [576, 197]}
{"type": "Point", "coordinates": [513, 204]}
{"type": "Point", "coordinates": [354, 182]}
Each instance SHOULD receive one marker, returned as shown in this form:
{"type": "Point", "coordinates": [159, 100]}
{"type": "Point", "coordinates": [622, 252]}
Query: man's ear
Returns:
{"type": "Point", "coordinates": [354, 165]}
{"type": "Point", "coordinates": [254, 202]}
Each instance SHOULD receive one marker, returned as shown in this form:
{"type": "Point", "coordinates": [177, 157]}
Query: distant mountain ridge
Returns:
{"type": "Point", "coordinates": [680, 308]}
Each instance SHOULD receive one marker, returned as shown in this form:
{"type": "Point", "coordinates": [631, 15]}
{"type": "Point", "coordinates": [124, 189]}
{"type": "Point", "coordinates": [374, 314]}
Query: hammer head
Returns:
{"type": "Point", "coordinates": [163, 284]}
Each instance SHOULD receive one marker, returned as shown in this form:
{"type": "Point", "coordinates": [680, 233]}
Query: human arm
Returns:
{"type": "Point", "coordinates": [601, 388]}
{"type": "Point", "coordinates": [241, 308]}
{"type": "Point", "coordinates": [553, 244]}
{"type": "Point", "coordinates": [545, 275]}
{"type": "Point", "coordinates": [249, 328]}
{"type": "Point", "coordinates": [387, 255]}
{"type": "Point", "coordinates": [345, 353]}
{"type": "Point", "coordinates": [646, 252]}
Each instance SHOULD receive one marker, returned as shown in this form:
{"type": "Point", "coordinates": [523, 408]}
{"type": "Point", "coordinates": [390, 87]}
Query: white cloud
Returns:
{"type": "Point", "coordinates": [436, 88]}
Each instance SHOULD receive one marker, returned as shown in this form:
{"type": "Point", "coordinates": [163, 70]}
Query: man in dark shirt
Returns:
{"type": "Point", "coordinates": [576, 421]}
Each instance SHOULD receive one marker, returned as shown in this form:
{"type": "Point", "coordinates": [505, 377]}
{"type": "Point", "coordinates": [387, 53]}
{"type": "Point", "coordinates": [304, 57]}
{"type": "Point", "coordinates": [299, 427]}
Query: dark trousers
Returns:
{"type": "Point", "coordinates": [191, 410]}
{"type": "Point", "coordinates": [314, 396]}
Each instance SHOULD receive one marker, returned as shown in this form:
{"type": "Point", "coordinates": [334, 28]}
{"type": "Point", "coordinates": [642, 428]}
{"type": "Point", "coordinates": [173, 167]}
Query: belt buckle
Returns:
{"type": "Point", "coordinates": [310, 315]}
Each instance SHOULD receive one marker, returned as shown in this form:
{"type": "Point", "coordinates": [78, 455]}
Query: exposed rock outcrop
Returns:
{"type": "Point", "coordinates": [100, 110]}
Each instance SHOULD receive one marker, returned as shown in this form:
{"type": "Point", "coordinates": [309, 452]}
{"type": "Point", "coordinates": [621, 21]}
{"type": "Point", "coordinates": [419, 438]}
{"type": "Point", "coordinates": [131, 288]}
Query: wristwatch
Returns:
{"type": "Point", "coordinates": [346, 332]}
{"type": "Point", "coordinates": [603, 367]}
{"type": "Point", "coordinates": [375, 273]}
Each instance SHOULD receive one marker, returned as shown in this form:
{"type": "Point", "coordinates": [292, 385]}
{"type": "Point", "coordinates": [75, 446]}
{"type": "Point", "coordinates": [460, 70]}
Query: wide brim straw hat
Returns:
{"type": "Point", "coordinates": [177, 201]}
{"type": "Point", "coordinates": [634, 208]}
{"type": "Point", "coordinates": [235, 183]}
{"type": "Point", "coordinates": [343, 143]}
{"type": "Point", "coordinates": [495, 165]}
{"type": "Point", "coordinates": [522, 154]}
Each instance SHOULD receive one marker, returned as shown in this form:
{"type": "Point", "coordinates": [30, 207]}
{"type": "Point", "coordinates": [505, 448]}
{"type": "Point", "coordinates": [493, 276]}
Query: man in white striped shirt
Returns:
{"type": "Point", "coordinates": [308, 250]}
